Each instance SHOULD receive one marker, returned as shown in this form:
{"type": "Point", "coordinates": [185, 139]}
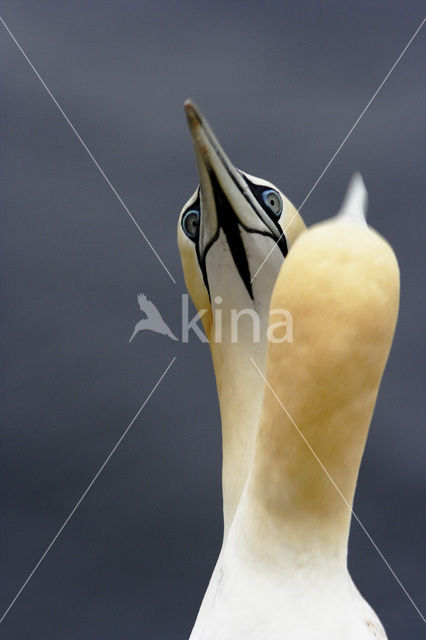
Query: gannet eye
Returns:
{"type": "Point", "coordinates": [191, 223]}
{"type": "Point", "coordinates": [273, 201]}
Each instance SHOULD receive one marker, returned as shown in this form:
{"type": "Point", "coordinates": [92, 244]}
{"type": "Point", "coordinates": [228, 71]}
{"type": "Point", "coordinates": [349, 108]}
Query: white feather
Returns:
{"type": "Point", "coordinates": [354, 207]}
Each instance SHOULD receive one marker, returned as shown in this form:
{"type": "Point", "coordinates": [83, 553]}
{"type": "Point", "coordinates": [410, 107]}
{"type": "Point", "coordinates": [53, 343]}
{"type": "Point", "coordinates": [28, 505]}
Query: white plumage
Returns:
{"type": "Point", "coordinates": [282, 571]}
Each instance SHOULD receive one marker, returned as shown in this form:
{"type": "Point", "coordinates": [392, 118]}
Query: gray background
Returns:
{"type": "Point", "coordinates": [281, 84]}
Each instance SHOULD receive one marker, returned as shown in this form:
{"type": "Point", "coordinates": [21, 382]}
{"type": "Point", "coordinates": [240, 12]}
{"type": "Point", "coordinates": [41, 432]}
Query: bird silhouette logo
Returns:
{"type": "Point", "coordinates": [153, 320]}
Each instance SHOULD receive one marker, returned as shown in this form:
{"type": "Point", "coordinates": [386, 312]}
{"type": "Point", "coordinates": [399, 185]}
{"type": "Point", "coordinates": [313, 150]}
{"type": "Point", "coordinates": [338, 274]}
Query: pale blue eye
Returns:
{"type": "Point", "coordinates": [191, 223]}
{"type": "Point", "coordinates": [273, 201]}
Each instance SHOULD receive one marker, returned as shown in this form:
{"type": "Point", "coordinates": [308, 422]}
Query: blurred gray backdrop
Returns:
{"type": "Point", "coordinates": [281, 84]}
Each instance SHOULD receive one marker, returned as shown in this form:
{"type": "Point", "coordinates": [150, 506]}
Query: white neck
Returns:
{"type": "Point", "coordinates": [240, 393]}
{"type": "Point", "coordinates": [240, 400]}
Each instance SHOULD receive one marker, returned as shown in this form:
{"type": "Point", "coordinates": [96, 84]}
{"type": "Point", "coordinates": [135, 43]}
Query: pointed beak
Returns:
{"type": "Point", "coordinates": [226, 200]}
{"type": "Point", "coordinates": [216, 172]}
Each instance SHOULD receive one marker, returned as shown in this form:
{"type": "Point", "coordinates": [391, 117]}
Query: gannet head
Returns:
{"type": "Point", "coordinates": [228, 227]}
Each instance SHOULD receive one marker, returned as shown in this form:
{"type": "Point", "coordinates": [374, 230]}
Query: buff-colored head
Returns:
{"type": "Point", "coordinates": [227, 229]}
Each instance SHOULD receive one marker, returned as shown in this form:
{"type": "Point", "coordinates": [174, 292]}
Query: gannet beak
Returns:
{"type": "Point", "coordinates": [226, 200]}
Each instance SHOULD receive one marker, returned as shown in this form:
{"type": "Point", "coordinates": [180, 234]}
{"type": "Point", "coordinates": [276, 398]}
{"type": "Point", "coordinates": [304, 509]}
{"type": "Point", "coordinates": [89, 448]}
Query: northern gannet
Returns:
{"type": "Point", "coordinates": [225, 231]}
{"type": "Point", "coordinates": [282, 572]}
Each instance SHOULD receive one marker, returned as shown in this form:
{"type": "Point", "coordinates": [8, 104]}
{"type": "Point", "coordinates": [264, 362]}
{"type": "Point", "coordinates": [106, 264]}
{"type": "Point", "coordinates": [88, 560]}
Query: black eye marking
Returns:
{"type": "Point", "coordinates": [228, 222]}
{"type": "Point", "coordinates": [271, 202]}
{"type": "Point", "coordinates": [269, 199]}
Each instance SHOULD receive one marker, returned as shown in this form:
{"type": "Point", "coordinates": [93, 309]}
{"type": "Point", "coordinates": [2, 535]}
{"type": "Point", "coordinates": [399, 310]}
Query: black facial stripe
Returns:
{"type": "Point", "coordinates": [228, 222]}
{"type": "Point", "coordinates": [257, 190]}
{"type": "Point", "coordinates": [281, 241]}
{"type": "Point", "coordinates": [202, 258]}
{"type": "Point", "coordinates": [230, 225]}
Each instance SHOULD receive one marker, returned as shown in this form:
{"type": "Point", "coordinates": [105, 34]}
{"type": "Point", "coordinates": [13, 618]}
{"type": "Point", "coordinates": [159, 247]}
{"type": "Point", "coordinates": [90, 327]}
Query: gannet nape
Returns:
{"type": "Point", "coordinates": [225, 230]}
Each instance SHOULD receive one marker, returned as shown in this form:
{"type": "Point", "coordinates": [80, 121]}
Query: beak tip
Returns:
{"type": "Point", "coordinates": [192, 114]}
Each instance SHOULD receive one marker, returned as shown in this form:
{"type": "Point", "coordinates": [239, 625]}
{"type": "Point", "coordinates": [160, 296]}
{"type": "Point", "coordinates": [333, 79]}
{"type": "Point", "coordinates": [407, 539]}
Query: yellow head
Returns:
{"type": "Point", "coordinates": [227, 229]}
